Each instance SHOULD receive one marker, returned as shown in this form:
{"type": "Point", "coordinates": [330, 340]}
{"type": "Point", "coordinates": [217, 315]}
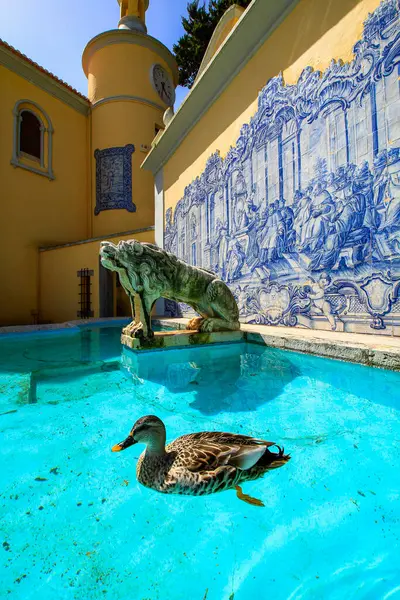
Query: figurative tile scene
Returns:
{"type": "Point", "coordinates": [114, 179]}
{"type": "Point", "coordinates": [302, 217]}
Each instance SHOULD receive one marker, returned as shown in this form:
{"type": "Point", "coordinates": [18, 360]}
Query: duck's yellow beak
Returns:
{"type": "Point", "coordinates": [125, 444]}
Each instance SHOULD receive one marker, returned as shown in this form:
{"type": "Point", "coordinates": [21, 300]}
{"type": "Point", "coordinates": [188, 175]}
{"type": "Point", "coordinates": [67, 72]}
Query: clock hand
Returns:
{"type": "Point", "coordinates": [165, 91]}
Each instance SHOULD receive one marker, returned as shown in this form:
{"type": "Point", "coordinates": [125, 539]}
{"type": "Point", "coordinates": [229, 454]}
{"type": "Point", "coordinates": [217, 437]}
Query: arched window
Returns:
{"type": "Point", "coordinates": [30, 134]}
{"type": "Point", "coordinates": [32, 146]}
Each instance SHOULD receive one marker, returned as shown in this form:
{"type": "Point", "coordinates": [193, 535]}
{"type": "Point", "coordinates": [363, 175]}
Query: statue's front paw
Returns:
{"type": "Point", "coordinates": [134, 330]}
{"type": "Point", "coordinates": [138, 332]}
{"type": "Point", "coordinates": [207, 326]}
{"type": "Point", "coordinates": [129, 328]}
{"type": "Point", "coordinates": [195, 324]}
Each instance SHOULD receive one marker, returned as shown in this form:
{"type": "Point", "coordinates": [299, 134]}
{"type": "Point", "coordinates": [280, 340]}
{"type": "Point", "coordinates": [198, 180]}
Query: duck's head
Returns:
{"type": "Point", "coordinates": [149, 430]}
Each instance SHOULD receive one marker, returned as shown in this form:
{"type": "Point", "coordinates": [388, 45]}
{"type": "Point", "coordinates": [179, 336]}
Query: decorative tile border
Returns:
{"type": "Point", "coordinates": [114, 179]}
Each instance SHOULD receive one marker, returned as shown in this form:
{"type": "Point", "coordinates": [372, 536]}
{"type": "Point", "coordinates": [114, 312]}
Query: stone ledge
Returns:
{"type": "Point", "coordinates": [347, 352]}
{"type": "Point", "coordinates": [371, 350]}
{"type": "Point", "coordinates": [24, 329]}
{"type": "Point", "coordinates": [75, 325]}
{"type": "Point", "coordinates": [181, 338]}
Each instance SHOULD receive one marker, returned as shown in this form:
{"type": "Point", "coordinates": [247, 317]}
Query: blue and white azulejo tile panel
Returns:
{"type": "Point", "coordinates": [302, 217]}
{"type": "Point", "coordinates": [114, 179]}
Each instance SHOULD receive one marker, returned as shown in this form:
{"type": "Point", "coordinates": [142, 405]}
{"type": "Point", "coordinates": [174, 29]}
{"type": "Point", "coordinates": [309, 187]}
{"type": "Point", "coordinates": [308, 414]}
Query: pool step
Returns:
{"type": "Point", "coordinates": [29, 383]}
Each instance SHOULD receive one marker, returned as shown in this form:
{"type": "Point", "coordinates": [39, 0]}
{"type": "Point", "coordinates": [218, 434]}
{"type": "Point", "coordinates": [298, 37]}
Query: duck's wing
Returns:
{"type": "Point", "coordinates": [209, 450]}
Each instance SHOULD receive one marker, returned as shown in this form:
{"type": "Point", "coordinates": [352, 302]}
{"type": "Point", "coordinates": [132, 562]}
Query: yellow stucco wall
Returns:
{"type": "Point", "coordinates": [121, 69]}
{"type": "Point", "coordinates": [35, 211]}
{"type": "Point", "coordinates": [59, 296]}
{"type": "Point", "coordinates": [116, 72]}
{"type": "Point", "coordinates": [117, 124]}
{"type": "Point", "coordinates": [313, 34]}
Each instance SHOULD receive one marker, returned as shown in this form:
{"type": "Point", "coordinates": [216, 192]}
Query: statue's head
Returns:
{"type": "Point", "coordinates": [108, 255]}
{"type": "Point", "coordinates": [119, 256]}
{"type": "Point", "coordinates": [136, 262]}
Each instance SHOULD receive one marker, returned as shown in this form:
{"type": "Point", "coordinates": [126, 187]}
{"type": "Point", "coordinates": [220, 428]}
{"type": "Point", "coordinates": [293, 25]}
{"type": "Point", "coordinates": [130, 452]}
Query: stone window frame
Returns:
{"type": "Point", "coordinates": [23, 160]}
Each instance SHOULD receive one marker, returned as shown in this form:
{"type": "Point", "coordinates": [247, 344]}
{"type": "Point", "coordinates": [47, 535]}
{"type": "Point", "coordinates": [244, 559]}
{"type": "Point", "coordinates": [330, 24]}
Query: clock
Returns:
{"type": "Point", "coordinates": [163, 84]}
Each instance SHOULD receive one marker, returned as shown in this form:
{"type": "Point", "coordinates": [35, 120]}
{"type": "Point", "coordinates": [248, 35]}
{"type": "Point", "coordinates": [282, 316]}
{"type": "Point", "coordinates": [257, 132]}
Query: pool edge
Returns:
{"type": "Point", "coordinates": [370, 350]}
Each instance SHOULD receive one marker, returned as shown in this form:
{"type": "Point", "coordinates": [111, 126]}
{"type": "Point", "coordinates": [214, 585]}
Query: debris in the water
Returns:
{"type": "Point", "coordinates": [355, 503]}
{"type": "Point", "coordinates": [371, 492]}
{"type": "Point", "coordinates": [125, 482]}
{"type": "Point", "coordinates": [8, 412]}
{"type": "Point", "coordinates": [247, 498]}
{"type": "Point", "coordinates": [6, 546]}
{"type": "Point", "coordinates": [205, 595]}
{"type": "Point", "coordinates": [54, 471]}
{"type": "Point", "coordinates": [41, 479]}
{"type": "Point", "coordinates": [361, 493]}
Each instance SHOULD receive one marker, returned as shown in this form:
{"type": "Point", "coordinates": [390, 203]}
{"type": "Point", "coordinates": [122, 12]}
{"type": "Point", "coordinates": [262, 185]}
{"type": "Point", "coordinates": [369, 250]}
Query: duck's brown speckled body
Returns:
{"type": "Point", "coordinates": [199, 463]}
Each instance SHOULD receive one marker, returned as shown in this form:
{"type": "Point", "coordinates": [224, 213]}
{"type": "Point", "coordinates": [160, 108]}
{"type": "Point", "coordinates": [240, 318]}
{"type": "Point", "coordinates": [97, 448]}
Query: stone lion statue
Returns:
{"type": "Point", "coordinates": [147, 272]}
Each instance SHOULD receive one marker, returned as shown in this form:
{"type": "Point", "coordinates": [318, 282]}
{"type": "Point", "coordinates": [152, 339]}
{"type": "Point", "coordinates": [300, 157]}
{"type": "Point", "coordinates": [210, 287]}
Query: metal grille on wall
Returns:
{"type": "Point", "coordinates": [85, 294]}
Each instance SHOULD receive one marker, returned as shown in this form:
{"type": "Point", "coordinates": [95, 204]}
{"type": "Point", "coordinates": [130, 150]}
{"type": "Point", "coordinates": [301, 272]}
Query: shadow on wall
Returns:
{"type": "Point", "coordinates": [303, 27]}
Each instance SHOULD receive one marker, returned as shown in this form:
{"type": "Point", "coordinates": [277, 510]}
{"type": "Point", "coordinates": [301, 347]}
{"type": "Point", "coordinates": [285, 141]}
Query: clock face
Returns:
{"type": "Point", "coordinates": [163, 84]}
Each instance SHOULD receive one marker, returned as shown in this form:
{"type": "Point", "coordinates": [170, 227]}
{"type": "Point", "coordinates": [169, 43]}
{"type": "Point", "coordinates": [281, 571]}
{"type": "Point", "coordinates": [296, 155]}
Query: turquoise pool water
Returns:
{"type": "Point", "coordinates": [75, 524]}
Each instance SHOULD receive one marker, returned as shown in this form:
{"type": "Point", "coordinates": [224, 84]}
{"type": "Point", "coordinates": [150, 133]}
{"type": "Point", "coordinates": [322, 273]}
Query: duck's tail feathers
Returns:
{"type": "Point", "coordinates": [274, 460]}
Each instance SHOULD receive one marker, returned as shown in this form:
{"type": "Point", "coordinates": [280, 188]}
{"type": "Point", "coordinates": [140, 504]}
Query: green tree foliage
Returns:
{"type": "Point", "coordinates": [199, 25]}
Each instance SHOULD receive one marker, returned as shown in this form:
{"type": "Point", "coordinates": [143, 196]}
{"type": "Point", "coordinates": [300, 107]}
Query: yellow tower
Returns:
{"type": "Point", "coordinates": [131, 80]}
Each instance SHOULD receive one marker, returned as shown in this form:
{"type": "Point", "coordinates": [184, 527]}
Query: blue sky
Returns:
{"type": "Point", "coordinates": [54, 33]}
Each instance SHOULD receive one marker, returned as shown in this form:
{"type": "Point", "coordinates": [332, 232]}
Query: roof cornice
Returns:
{"type": "Point", "coordinates": [233, 12]}
{"type": "Point", "coordinates": [126, 36]}
{"type": "Point", "coordinates": [15, 61]}
{"type": "Point", "coordinates": [256, 25]}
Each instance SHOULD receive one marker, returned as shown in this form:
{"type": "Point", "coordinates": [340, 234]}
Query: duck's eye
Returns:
{"type": "Point", "coordinates": [142, 428]}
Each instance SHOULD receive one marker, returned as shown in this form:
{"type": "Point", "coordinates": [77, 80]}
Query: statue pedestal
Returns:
{"type": "Point", "coordinates": [181, 338]}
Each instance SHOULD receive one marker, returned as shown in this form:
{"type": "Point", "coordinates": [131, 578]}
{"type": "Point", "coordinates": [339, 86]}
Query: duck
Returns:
{"type": "Point", "coordinates": [202, 463]}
